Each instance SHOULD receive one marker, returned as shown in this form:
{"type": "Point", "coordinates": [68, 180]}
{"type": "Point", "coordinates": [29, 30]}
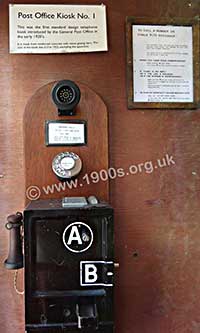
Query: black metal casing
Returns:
{"type": "Point", "coordinates": [55, 300]}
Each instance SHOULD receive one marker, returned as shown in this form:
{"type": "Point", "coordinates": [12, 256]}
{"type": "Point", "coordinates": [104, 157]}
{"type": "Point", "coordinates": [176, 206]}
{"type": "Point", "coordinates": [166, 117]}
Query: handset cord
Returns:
{"type": "Point", "coordinates": [16, 273]}
{"type": "Point", "coordinates": [15, 284]}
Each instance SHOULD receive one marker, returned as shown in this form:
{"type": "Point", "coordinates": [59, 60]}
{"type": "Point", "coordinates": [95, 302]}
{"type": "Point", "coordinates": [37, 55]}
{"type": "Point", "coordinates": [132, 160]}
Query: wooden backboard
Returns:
{"type": "Point", "coordinates": [41, 182]}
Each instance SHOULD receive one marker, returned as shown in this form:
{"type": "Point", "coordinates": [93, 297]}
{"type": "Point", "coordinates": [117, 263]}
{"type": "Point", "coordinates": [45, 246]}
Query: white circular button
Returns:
{"type": "Point", "coordinates": [67, 163]}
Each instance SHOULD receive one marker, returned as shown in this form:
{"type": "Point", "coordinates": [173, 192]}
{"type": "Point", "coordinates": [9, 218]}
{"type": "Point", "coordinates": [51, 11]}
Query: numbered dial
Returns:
{"type": "Point", "coordinates": [66, 165]}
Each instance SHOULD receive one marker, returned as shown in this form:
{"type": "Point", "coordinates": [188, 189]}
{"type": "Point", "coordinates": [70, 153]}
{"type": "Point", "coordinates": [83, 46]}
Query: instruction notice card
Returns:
{"type": "Point", "coordinates": [162, 63]}
{"type": "Point", "coordinates": [57, 28]}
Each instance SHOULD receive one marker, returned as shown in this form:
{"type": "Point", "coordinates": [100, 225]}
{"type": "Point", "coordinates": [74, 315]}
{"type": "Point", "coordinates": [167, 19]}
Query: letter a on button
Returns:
{"type": "Point", "coordinates": [74, 236]}
{"type": "Point", "coordinates": [77, 237]}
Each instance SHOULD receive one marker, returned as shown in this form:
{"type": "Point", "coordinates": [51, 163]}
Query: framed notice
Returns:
{"type": "Point", "coordinates": [66, 133]}
{"type": "Point", "coordinates": [162, 63]}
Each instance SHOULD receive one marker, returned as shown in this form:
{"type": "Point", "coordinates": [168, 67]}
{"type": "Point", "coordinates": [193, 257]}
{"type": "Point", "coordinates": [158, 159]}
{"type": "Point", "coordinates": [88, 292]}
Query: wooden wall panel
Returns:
{"type": "Point", "coordinates": [157, 227]}
{"type": "Point", "coordinates": [39, 157]}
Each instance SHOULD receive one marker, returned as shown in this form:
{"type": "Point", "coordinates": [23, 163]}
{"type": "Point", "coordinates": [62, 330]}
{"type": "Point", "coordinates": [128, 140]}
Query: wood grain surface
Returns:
{"type": "Point", "coordinates": [157, 228]}
{"type": "Point", "coordinates": [39, 157]}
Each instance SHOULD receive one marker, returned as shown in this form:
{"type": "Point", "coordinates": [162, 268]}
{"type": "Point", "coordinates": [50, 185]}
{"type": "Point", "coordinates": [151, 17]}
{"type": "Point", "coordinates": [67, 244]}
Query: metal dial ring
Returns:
{"type": "Point", "coordinates": [66, 165]}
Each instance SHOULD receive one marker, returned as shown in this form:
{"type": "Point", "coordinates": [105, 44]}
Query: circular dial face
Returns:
{"type": "Point", "coordinates": [66, 165]}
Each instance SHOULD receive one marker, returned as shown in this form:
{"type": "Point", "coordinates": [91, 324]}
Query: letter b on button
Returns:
{"type": "Point", "coordinates": [90, 273]}
{"type": "Point", "coordinates": [96, 273]}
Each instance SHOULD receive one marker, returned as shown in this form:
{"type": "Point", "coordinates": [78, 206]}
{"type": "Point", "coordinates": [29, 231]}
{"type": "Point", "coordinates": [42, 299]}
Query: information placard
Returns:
{"type": "Point", "coordinates": [162, 63]}
{"type": "Point", "coordinates": [57, 28]}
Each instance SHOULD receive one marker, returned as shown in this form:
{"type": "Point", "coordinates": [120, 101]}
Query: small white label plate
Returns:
{"type": "Point", "coordinates": [65, 133]}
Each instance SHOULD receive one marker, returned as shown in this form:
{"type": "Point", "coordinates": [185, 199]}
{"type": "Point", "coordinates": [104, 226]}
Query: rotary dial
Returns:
{"type": "Point", "coordinates": [66, 165]}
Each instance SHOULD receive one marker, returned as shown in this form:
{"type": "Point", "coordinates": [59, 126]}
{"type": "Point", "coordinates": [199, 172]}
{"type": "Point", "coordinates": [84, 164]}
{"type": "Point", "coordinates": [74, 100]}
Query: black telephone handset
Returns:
{"type": "Point", "coordinates": [15, 256]}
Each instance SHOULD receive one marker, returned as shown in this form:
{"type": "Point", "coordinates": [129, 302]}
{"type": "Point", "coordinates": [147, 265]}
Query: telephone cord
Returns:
{"type": "Point", "coordinates": [15, 284]}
